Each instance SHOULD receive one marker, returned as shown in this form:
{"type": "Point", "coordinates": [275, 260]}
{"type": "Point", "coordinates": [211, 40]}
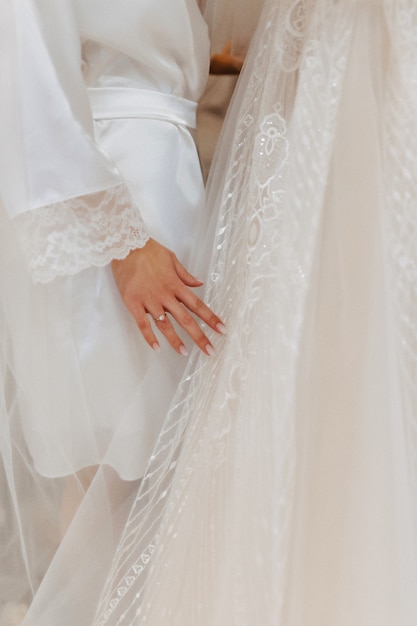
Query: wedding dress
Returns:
{"type": "Point", "coordinates": [282, 490]}
{"type": "Point", "coordinates": [96, 119]}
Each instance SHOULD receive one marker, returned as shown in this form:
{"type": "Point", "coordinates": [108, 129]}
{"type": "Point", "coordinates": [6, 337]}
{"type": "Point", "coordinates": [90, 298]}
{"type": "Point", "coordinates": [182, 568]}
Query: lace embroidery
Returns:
{"type": "Point", "coordinates": [290, 47]}
{"type": "Point", "coordinates": [264, 243]}
{"type": "Point", "coordinates": [90, 230]}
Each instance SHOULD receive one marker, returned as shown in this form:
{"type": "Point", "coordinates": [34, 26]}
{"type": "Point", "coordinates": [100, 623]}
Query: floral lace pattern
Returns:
{"type": "Point", "coordinates": [91, 230]}
{"type": "Point", "coordinates": [264, 243]}
{"type": "Point", "coordinates": [193, 512]}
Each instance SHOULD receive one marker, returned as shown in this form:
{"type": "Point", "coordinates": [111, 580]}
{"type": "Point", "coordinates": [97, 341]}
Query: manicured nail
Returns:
{"type": "Point", "coordinates": [183, 351]}
{"type": "Point", "coordinates": [221, 328]}
{"type": "Point", "coordinates": [209, 349]}
{"type": "Point", "coordinates": [156, 347]}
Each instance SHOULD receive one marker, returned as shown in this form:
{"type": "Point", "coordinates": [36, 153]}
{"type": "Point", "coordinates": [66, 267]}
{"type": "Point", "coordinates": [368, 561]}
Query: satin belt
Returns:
{"type": "Point", "coordinates": [108, 103]}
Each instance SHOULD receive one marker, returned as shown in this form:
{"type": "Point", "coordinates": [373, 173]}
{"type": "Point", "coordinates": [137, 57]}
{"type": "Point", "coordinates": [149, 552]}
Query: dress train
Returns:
{"type": "Point", "coordinates": [282, 488]}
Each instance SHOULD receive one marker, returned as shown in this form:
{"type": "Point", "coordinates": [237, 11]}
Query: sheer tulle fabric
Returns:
{"type": "Point", "coordinates": [282, 489]}
{"type": "Point", "coordinates": [82, 396]}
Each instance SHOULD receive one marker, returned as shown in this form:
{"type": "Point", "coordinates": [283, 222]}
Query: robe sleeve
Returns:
{"type": "Point", "coordinates": [70, 205]}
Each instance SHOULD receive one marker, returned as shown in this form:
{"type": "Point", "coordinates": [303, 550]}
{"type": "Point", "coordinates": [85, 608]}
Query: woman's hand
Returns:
{"type": "Point", "coordinates": [153, 282]}
{"type": "Point", "coordinates": [225, 62]}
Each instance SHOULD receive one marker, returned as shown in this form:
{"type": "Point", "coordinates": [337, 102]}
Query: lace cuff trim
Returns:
{"type": "Point", "coordinates": [91, 230]}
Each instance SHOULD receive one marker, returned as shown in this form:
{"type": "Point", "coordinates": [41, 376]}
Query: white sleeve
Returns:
{"type": "Point", "coordinates": [69, 203]}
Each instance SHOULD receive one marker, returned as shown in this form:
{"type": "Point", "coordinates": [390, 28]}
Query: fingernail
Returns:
{"type": "Point", "coordinates": [209, 349]}
{"type": "Point", "coordinates": [221, 328]}
{"type": "Point", "coordinates": [183, 351]}
{"type": "Point", "coordinates": [156, 347]}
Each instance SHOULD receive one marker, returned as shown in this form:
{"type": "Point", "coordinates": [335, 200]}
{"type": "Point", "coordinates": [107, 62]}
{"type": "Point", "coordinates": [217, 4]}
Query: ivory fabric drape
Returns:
{"type": "Point", "coordinates": [282, 487]}
{"type": "Point", "coordinates": [282, 490]}
{"type": "Point", "coordinates": [97, 154]}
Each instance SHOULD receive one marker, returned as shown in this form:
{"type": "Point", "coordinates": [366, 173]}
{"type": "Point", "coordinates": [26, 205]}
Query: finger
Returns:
{"type": "Point", "coordinates": [145, 327]}
{"type": "Point", "coordinates": [187, 278]}
{"type": "Point", "coordinates": [197, 306]}
{"type": "Point", "coordinates": [163, 323]}
{"type": "Point", "coordinates": [189, 324]}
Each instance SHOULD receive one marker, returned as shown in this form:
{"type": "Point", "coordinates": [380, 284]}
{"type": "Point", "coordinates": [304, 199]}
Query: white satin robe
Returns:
{"type": "Point", "coordinates": [99, 157]}
{"type": "Point", "coordinates": [96, 155]}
